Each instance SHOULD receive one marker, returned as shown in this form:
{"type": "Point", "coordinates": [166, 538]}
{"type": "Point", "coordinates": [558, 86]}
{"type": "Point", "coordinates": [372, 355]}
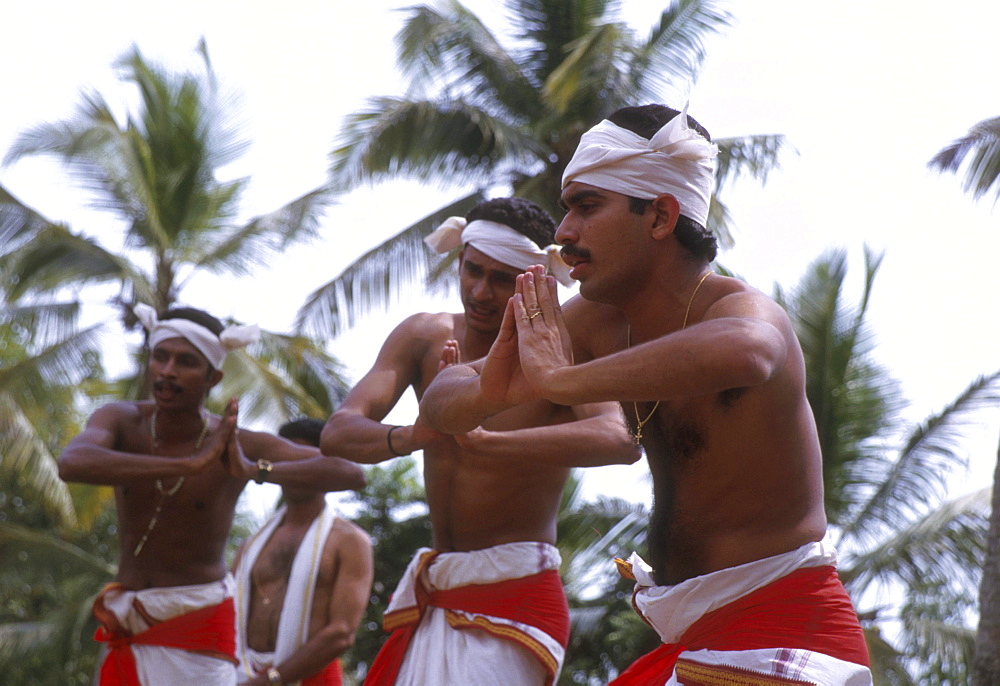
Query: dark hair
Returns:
{"type": "Point", "coordinates": [645, 121]}
{"type": "Point", "coordinates": [197, 316]}
{"type": "Point", "coordinates": [522, 215]}
{"type": "Point", "coordinates": [305, 429]}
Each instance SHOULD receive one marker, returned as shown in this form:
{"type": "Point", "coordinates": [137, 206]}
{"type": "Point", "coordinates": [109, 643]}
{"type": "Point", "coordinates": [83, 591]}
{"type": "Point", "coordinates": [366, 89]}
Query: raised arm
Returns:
{"type": "Point", "coordinates": [92, 456]}
{"type": "Point", "coordinates": [596, 436]}
{"type": "Point", "coordinates": [291, 464]}
{"type": "Point", "coordinates": [743, 340]}
{"type": "Point", "coordinates": [351, 591]}
{"type": "Point", "coordinates": [355, 431]}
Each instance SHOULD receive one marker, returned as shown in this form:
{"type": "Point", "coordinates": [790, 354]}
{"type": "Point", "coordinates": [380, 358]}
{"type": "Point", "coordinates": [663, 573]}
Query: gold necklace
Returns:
{"type": "Point", "coordinates": [164, 495]}
{"type": "Point", "coordinates": [637, 436]}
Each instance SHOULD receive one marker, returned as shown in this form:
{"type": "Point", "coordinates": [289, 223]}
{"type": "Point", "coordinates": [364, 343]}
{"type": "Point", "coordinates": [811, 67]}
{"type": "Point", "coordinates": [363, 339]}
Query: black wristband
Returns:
{"type": "Point", "coordinates": [388, 441]}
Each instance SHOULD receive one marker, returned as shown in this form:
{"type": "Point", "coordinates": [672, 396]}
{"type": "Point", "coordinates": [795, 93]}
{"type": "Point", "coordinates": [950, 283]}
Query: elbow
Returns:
{"type": "Point", "coordinates": [356, 480]}
{"type": "Point", "coordinates": [68, 471]}
{"type": "Point", "coordinates": [328, 437]}
{"type": "Point", "coordinates": [337, 641]}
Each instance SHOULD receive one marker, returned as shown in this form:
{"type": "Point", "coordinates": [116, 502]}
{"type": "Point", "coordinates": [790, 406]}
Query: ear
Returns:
{"type": "Point", "coordinates": [667, 210]}
{"type": "Point", "coordinates": [214, 378]}
{"type": "Point", "coordinates": [461, 259]}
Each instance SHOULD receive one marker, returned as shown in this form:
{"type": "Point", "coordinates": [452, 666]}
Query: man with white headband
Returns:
{"type": "Point", "coordinates": [177, 472]}
{"type": "Point", "coordinates": [483, 604]}
{"type": "Point", "coordinates": [711, 378]}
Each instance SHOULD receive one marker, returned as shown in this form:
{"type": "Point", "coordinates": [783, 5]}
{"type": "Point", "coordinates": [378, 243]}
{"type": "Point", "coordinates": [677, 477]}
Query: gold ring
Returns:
{"type": "Point", "coordinates": [534, 315]}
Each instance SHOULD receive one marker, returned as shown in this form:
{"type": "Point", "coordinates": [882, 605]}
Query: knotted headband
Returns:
{"type": "Point", "coordinates": [676, 160]}
{"type": "Point", "coordinates": [500, 242]}
{"type": "Point", "coordinates": [214, 348]}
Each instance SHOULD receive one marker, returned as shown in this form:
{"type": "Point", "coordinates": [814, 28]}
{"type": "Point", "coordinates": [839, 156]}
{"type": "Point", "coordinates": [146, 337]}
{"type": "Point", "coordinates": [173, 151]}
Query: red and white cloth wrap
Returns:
{"type": "Point", "coordinates": [500, 242]}
{"type": "Point", "coordinates": [476, 619]}
{"type": "Point", "coordinates": [167, 636]}
{"type": "Point", "coordinates": [293, 624]}
{"type": "Point", "coordinates": [214, 348]}
{"type": "Point", "coordinates": [782, 620]}
{"type": "Point", "coordinates": [676, 160]}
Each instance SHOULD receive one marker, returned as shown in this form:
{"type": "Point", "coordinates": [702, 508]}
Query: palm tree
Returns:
{"type": "Point", "coordinates": [885, 486]}
{"type": "Point", "coordinates": [979, 152]}
{"type": "Point", "coordinates": [158, 171]}
{"type": "Point", "coordinates": [485, 113]}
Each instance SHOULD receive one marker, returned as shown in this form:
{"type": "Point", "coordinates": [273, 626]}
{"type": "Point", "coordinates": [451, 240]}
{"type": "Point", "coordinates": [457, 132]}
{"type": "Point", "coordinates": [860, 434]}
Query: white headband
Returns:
{"type": "Point", "coordinates": [500, 242]}
{"type": "Point", "coordinates": [676, 160]}
{"type": "Point", "coordinates": [211, 346]}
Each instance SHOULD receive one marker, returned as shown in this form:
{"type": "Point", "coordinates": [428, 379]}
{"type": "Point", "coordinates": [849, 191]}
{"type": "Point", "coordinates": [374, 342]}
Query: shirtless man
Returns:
{"type": "Point", "coordinates": [302, 584]}
{"type": "Point", "coordinates": [177, 472]}
{"type": "Point", "coordinates": [710, 375]}
{"type": "Point", "coordinates": [493, 492]}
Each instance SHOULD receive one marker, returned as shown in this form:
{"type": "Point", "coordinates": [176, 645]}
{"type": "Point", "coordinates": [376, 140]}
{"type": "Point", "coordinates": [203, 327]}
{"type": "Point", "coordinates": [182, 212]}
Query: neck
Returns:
{"type": "Point", "coordinates": [178, 423]}
{"type": "Point", "coordinates": [304, 511]}
{"type": "Point", "coordinates": [661, 307]}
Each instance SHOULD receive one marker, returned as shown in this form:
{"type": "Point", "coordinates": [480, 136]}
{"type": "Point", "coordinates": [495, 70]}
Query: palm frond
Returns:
{"type": "Point", "coordinates": [375, 279]}
{"type": "Point", "coordinates": [58, 257]}
{"type": "Point", "coordinates": [593, 79]}
{"type": "Point", "coordinates": [918, 476]}
{"type": "Point", "coordinates": [440, 140]}
{"type": "Point", "coordinates": [26, 460]}
{"type": "Point", "coordinates": [948, 542]}
{"type": "Point", "coordinates": [242, 250]}
{"type": "Point", "coordinates": [671, 58]}
{"type": "Point", "coordinates": [18, 223]}
{"type": "Point", "coordinates": [754, 156]}
{"type": "Point", "coordinates": [48, 546]}
{"type": "Point", "coordinates": [48, 322]}
{"type": "Point", "coordinates": [979, 151]}
{"type": "Point", "coordinates": [450, 47]}
{"type": "Point", "coordinates": [283, 377]}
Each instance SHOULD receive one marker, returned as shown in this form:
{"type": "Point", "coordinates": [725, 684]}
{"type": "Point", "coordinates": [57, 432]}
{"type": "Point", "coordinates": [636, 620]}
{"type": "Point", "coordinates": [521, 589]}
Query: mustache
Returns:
{"type": "Point", "coordinates": [574, 251]}
{"type": "Point", "coordinates": [166, 385]}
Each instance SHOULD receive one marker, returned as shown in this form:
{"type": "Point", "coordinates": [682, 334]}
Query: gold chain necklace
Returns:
{"type": "Point", "coordinates": [637, 436]}
{"type": "Point", "coordinates": [164, 495]}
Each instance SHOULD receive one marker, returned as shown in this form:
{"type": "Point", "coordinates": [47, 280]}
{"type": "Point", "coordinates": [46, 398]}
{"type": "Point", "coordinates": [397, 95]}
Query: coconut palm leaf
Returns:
{"type": "Point", "coordinates": [672, 56]}
{"type": "Point", "coordinates": [918, 476]}
{"type": "Point", "coordinates": [440, 140]}
{"type": "Point", "coordinates": [979, 152]}
{"type": "Point", "coordinates": [377, 278]}
{"type": "Point", "coordinates": [946, 543]}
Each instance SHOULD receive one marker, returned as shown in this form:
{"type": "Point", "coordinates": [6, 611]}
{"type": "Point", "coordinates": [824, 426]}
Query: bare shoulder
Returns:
{"type": "Point", "coordinates": [347, 537]}
{"type": "Point", "coordinates": [736, 298]}
{"type": "Point", "coordinates": [415, 334]}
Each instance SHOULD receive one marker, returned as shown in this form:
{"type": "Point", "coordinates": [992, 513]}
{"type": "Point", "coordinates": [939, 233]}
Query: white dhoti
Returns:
{"type": "Point", "coordinates": [133, 616]}
{"type": "Point", "coordinates": [476, 618]}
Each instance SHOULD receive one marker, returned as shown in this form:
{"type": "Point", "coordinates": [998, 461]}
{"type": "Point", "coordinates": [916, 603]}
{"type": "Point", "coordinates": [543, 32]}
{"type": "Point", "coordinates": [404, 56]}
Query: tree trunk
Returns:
{"type": "Point", "coordinates": [986, 667]}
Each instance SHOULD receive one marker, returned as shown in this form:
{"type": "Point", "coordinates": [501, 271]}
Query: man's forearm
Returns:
{"type": "Point", "coordinates": [453, 403]}
{"type": "Point", "coordinates": [105, 467]}
{"type": "Point", "coordinates": [321, 473]}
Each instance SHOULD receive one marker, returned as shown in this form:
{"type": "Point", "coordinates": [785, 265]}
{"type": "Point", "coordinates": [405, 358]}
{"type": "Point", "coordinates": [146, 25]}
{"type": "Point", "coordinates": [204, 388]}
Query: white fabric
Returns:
{"type": "Point", "coordinates": [803, 666]}
{"type": "Point", "coordinates": [160, 666]}
{"type": "Point", "coordinates": [214, 348]}
{"type": "Point", "coordinates": [442, 656]}
{"type": "Point", "coordinates": [676, 160]}
{"type": "Point", "coordinates": [672, 609]}
{"type": "Point", "coordinates": [293, 624]}
{"type": "Point", "coordinates": [500, 242]}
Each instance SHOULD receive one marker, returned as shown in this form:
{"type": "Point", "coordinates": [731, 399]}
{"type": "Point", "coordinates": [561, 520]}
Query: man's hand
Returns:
{"type": "Point", "coordinates": [235, 461]}
{"type": "Point", "coordinates": [543, 340]}
{"type": "Point", "coordinates": [501, 378]}
{"type": "Point", "coordinates": [216, 442]}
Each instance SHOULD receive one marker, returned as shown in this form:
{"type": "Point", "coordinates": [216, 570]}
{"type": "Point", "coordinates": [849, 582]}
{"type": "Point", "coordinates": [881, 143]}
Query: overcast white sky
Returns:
{"type": "Point", "coordinates": [866, 91]}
